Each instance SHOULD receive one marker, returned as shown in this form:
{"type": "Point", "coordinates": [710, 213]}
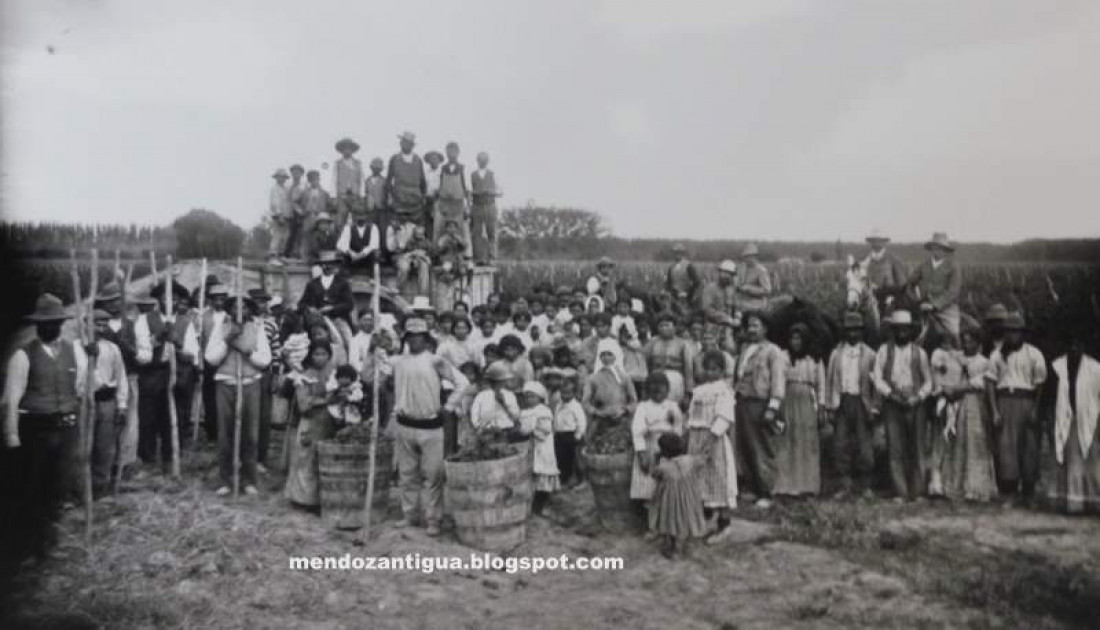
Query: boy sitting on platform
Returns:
{"type": "Point", "coordinates": [451, 248]}
{"type": "Point", "coordinates": [410, 246]}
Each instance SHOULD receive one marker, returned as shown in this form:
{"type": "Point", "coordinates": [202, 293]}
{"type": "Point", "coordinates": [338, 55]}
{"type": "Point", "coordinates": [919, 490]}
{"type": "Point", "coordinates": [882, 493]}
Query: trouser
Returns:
{"type": "Point", "coordinates": [293, 236]}
{"type": "Point", "coordinates": [250, 425]}
{"type": "Point", "coordinates": [107, 431]}
{"type": "Point", "coordinates": [1017, 442]}
{"type": "Point", "coordinates": [45, 441]}
{"type": "Point", "coordinates": [756, 445]}
{"type": "Point", "coordinates": [419, 454]}
{"type": "Point", "coordinates": [187, 376]}
{"type": "Point", "coordinates": [483, 225]}
{"type": "Point", "coordinates": [853, 454]}
{"type": "Point", "coordinates": [279, 236]}
{"type": "Point", "coordinates": [947, 321]}
{"type": "Point", "coordinates": [405, 263]}
{"type": "Point", "coordinates": [263, 434]}
{"type": "Point", "coordinates": [385, 401]}
{"type": "Point", "coordinates": [210, 404]}
{"type": "Point", "coordinates": [905, 447]}
{"type": "Point", "coordinates": [565, 451]}
{"type": "Point", "coordinates": [450, 434]}
{"type": "Point", "coordinates": [153, 422]}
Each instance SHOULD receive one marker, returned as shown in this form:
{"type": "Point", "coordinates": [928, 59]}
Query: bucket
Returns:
{"type": "Point", "coordinates": [344, 474]}
{"type": "Point", "coordinates": [490, 500]}
{"type": "Point", "coordinates": [609, 477]}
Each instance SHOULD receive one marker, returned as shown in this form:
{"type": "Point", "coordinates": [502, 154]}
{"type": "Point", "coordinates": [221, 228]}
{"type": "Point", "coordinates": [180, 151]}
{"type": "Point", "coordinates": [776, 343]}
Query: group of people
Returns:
{"type": "Point", "coordinates": [413, 211]}
{"type": "Point", "coordinates": [718, 412]}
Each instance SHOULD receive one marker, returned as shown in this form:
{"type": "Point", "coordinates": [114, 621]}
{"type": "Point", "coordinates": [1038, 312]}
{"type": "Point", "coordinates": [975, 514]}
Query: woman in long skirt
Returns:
{"type": "Point", "coordinates": [314, 425]}
{"type": "Point", "coordinates": [1076, 411]}
{"type": "Point", "coordinates": [798, 458]}
{"type": "Point", "coordinates": [967, 470]}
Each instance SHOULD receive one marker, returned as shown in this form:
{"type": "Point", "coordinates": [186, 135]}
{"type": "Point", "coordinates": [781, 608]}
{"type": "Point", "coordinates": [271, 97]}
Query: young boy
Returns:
{"type": "Point", "coordinates": [623, 318]}
{"type": "Point", "coordinates": [453, 197]}
{"type": "Point", "coordinates": [849, 399]}
{"type": "Point", "coordinates": [451, 248]}
{"type": "Point", "coordinates": [431, 191]}
{"type": "Point", "coordinates": [347, 178]}
{"type": "Point", "coordinates": [112, 394]}
{"type": "Point", "coordinates": [570, 425]}
{"type": "Point", "coordinates": [410, 245]}
{"type": "Point", "coordinates": [483, 211]}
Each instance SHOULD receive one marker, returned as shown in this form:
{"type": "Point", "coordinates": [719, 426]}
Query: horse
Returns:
{"type": "Point", "coordinates": [784, 311]}
{"type": "Point", "coordinates": [861, 298]}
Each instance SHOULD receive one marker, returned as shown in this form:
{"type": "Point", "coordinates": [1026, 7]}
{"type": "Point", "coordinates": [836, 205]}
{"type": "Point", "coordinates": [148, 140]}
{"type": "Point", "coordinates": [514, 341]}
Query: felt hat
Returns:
{"type": "Point", "coordinates": [259, 294]}
{"type": "Point", "coordinates": [901, 317]}
{"type": "Point", "coordinates": [877, 236]}
{"type": "Point", "coordinates": [110, 291]}
{"type": "Point", "coordinates": [750, 250]}
{"type": "Point", "coordinates": [217, 289]}
{"type": "Point", "coordinates": [1015, 321]}
{"type": "Point", "coordinates": [679, 248]}
{"type": "Point", "coordinates": [996, 313]}
{"type": "Point", "coordinates": [416, 326]}
{"type": "Point", "coordinates": [327, 257]}
{"type": "Point", "coordinates": [322, 216]}
{"type": "Point", "coordinates": [48, 308]}
{"type": "Point", "coordinates": [497, 372]}
{"type": "Point", "coordinates": [422, 303]}
{"type": "Point", "coordinates": [433, 155]}
{"type": "Point", "coordinates": [347, 143]}
{"type": "Point", "coordinates": [939, 239]}
{"type": "Point", "coordinates": [536, 388]}
{"type": "Point", "coordinates": [100, 315]}
{"type": "Point", "coordinates": [407, 135]}
{"type": "Point", "coordinates": [853, 320]}
{"type": "Point", "coordinates": [281, 173]}
{"type": "Point", "coordinates": [605, 262]}
{"type": "Point", "coordinates": [728, 266]}
{"type": "Point", "coordinates": [297, 167]}
{"type": "Point", "coordinates": [147, 300]}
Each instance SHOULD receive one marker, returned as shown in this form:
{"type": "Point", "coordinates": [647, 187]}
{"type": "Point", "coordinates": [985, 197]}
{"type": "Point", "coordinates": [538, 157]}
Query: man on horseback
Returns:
{"type": "Point", "coordinates": [885, 271]}
{"type": "Point", "coordinates": [936, 284]}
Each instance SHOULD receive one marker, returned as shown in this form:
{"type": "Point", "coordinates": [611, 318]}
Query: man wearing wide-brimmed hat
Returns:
{"type": "Point", "coordinates": [185, 326]}
{"type": "Point", "coordinates": [936, 284]}
{"type": "Point", "coordinates": [406, 182]}
{"type": "Point", "coordinates": [903, 378]}
{"type": "Point", "coordinates": [151, 336]}
{"type": "Point", "coordinates": [603, 283]}
{"type": "Point", "coordinates": [1018, 372]}
{"type": "Point", "coordinates": [885, 271]}
{"type": "Point", "coordinates": [418, 445]}
{"type": "Point", "coordinates": [330, 295]}
{"type": "Point", "coordinates": [321, 237]}
{"type": "Point", "coordinates": [849, 398]}
{"type": "Point", "coordinates": [233, 349]}
{"type": "Point", "coordinates": [359, 242]}
{"type": "Point", "coordinates": [296, 192]}
{"type": "Point", "coordinates": [484, 191]}
{"type": "Point", "coordinates": [216, 315]}
{"type": "Point", "coordinates": [279, 215]}
{"type": "Point", "coordinates": [261, 303]}
{"type": "Point", "coordinates": [44, 383]}
{"type": "Point", "coordinates": [682, 278]}
{"type": "Point", "coordinates": [754, 283]}
{"type": "Point", "coordinates": [718, 299]}
{"type": "Point", "coordinates": [347, 178]}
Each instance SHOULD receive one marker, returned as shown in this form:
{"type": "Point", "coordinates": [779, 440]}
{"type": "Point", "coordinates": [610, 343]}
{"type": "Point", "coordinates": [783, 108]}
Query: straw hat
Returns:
{"type": "Point", "coordinates": [728, 266]}
{"type": "Point", "coordinates": [281, 174]}
{"type": "Point", "coordinates": [348, 143]}
{"type": "Point", "coordinates": [327, 257]}
{"type": "Point", "coordinates": [322, 216]}
{"type": "Point", "coordinates": [852, 320]}
{"type": "Point", "coordinates": [422, 303]}
{"type": "Point", "coordinates": [536, 388]}
{"type": "Point", "coordinates": [100, 315]}
{"type": "Point", "coordinates": [416, 326]}
{"type": "Point", "coordinates": [605, 262]}
{"type": "Point", "coordinates": [940, 240]}
{"type": "Point", "coordinates": [217, 289]}
{"type": "Point", "coordinates": [996, 313]}
{"type": "Point", "coordinates": [877, 236]}
{"type": "Point", "coordinates": [48, 308]}
{"type": "Point", "coordinates": [901, 317]}
{"type": "Point", "coordinates": [497, 372]}
{"type": "Point", "coordinates": [407, 135]}
{"type": "Point", "coordinates": [679, 248]}
{"type": "Point", "coordinates": [433, 155]}
{"type": "Point", "coordinates": [750, 250]}
{"type": "Point", "coordinates": [110, 291]}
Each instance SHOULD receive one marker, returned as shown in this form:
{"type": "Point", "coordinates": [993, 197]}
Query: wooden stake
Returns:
{"type": "Point", "coordinates": [116, 479]}
{"type": "Point", "coordinates": [238, 406]}
{"type": "Point", "coordinates": [197, 411]}
{"type": "Point", "coordinates": [86, 411]}
{"type": "Point", "coordinates": [169, 319]}
{"type": "Point", "coordinates": [376, 307]}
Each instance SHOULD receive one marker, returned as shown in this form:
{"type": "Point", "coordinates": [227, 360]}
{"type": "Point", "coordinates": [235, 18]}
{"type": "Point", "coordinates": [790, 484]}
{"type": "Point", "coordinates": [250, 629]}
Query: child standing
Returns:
{"type": "Point", "coordinates": [570, 424]}
{"type": "Point", "coordinates": [408, 243]}
{"type": "Point", "coordinates": [347, 179]}
{"type": "Point", "coordinates": [495, 407]}
{"type": "Point", "coordinates": [345, 394]}
{"type": "Point", "coordinates": [483, 211]}
{"type": "Point", "coordinates": [453, 197]}
{"type": "Point", "coordinates": [654, 417]}
{"type": "Point", "coordinates": [676, 514]}
{"type": "Point", "coordinates": [536, 420]}
{"type": "Point", "coordinates": [710, 429]}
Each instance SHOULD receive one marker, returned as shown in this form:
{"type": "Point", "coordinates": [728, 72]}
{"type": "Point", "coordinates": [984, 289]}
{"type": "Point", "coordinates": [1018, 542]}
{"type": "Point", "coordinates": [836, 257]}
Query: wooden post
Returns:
{"type": "Point", "coordinates": [237, 406]}
{"type": "Point", "coordinates": [116, 479]}
{"type": "Point", "coordinates": [197, 411]}
{"type": "Point", "coordinates": [169, 320]}
{"type": "Point", "coordinates": [375, 307]}
{"type": "Point", "coordinates": [86, 412]}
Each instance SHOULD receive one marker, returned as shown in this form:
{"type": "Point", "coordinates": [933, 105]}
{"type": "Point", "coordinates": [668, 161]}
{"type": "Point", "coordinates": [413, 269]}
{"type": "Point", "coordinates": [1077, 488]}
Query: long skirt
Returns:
{"type": "Point", "coordinates": [1077, 479]}
{"type": "Point", "coordinates": [677, 509]}
{"type": "Point", "coordinates": [303, 480]}
{"type": "Point", "coordinates": [718, 479]}
{"type": "Point", "coordinates": [967, 468]}
{"type": "Point", "coordinates": [642, 483]}
{"type": "Point", "coordinates": [798, 457]}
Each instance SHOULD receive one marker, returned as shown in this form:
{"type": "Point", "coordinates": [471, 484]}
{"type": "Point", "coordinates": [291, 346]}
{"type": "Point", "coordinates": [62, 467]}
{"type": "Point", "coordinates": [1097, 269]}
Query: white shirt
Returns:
{"type": "Point", "coordinates": [849, 369]}
{"type": "Point", "coordinates": [326, 281]}
{"type": "Point", "coordinates": [432, 175]}
{"type": "Point", "coordinates": [936, 263]}
{"type": "Point", "coordinates": [343, 244]}
{"type": "Point", "coordinates": [487, 413]}
{"type": "Point", "coordinates": [110, 371]}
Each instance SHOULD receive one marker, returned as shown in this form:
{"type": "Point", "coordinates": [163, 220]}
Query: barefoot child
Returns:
{"type": "Point", "coordinates": [570, 424]}
{"type": "Point", "coordinates": [676, 512]}
{"type": "Point", "coordinates": [536, 420]}
{"type": "Point", "coordinates": [654, 417]}
{"type": "Point", "coordinates": [710, 428]}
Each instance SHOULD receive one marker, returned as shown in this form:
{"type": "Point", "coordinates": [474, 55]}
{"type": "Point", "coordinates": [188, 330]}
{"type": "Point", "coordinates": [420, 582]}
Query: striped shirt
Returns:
{"type": "Point", "coordinates": [271, 331]}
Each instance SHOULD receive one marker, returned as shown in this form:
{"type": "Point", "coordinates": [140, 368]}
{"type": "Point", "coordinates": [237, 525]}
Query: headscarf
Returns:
{"type": "Point", "coordinates": [608, 344]}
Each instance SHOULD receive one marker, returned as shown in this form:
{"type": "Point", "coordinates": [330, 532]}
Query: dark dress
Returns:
{"type": "Point", "coordinates": [677, 507]}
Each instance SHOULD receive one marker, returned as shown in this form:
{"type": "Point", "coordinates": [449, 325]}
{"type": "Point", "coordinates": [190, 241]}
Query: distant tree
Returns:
{"type": "Point", "coordinates": [551, 223]}
{"type": "Point", "coordinates": [817, 257]}
{"type": "Point", "coordinates": [202, 233]}
{"type": "Point", "coordinates": [258, 241]}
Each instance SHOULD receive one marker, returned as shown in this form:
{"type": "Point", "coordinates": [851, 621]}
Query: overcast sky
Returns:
{"type": "Point", "coordinates": [773, 119]}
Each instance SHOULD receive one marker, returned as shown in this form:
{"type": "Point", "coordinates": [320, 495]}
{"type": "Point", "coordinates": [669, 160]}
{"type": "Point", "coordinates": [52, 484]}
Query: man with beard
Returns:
{"type": "Point", "coordinates": [903, 377]}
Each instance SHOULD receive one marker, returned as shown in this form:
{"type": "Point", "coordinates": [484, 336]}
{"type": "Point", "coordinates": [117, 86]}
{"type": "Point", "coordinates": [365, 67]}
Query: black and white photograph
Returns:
{"type": "Point", "coordinates": [715, 314]}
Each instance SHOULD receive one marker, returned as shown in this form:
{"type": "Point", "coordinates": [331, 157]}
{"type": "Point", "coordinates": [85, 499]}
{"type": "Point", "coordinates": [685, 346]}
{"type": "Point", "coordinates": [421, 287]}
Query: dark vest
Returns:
{"type": "Point", "coordinates": [51, 382]}
{"type": "Point", "coordinates": [408, 178]}
{"type": "Point", "coordinates": [359, 243]}
{"type": "Point", "coordinates": [484, 187]}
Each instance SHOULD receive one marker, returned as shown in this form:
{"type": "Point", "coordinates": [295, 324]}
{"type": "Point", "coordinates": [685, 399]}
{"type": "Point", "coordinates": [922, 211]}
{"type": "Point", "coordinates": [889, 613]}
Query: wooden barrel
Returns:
{"type": "Point", "coordinates": [490, 500]}
{"type": "Point", "coordinates": [609, 477]}
{"type": "Point", "coordinates": [344, 474]}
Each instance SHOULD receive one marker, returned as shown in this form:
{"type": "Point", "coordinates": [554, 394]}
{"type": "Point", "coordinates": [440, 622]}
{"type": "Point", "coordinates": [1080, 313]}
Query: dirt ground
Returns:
{"type": "Point", "coordinates": [174, 555]}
